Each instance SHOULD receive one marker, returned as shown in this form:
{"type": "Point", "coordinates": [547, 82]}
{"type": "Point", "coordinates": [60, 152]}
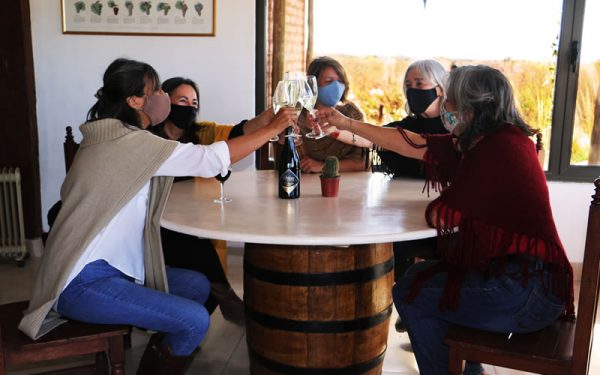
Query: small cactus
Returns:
{"type": "Point", "coordinates": [331, 167]}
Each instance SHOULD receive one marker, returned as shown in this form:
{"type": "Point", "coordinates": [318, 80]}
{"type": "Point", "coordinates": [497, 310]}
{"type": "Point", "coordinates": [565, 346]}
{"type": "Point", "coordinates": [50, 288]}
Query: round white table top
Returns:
{"type": "Point", "coordinates": [370, 208]}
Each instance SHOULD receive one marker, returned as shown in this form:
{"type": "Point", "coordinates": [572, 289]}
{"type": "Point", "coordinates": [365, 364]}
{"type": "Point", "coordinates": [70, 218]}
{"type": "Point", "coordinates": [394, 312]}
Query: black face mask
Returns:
{"type": "Point", "coordinates": [420, 100]}
{"type": "Point", "coordinates": [183, 116]}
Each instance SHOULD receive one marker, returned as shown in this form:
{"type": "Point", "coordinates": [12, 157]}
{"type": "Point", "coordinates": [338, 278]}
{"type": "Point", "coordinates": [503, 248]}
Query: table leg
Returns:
{"type": "Point", "coordinates": [314, 309]}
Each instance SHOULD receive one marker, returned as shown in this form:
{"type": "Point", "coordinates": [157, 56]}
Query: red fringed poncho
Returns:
{"type": "Point", "coordinates": [493, 206]}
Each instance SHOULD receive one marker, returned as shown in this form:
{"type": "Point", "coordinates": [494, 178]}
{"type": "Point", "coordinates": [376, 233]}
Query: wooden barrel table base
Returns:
{"type": "Point", "coordinates": [317, 309]}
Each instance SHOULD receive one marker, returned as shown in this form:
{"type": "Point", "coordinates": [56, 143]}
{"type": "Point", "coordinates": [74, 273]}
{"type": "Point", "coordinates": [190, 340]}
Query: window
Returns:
{"type": "Point", "coordinates": [575, 145]}
{"type": "Point", "coordinates": [548, 49]}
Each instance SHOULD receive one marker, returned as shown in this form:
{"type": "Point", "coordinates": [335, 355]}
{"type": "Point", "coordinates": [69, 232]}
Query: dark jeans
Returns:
{"type": "Point", "coordinates": [500, 304]}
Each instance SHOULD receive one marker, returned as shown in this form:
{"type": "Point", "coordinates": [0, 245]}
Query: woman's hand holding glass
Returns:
{"type": "Point", "coordinates": [330, 119]}
{"type": "Point", "coordinates": [284, 118]}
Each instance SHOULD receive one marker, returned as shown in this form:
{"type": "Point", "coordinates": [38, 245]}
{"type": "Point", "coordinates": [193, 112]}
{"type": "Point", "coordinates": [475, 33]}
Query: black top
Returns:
{"type": "Point", "coordinates": [397, 165]}
{"type": "Point", "coordinates": [191, 135]}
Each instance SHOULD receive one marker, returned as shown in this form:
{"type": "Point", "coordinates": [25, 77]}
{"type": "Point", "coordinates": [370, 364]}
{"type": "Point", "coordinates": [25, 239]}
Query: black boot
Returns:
{"type": "Point", "coordinates": [157, 360]}
{"type": "Point", "coordinates": [232, 307]}
{"type": "Point", "coordinates": [399, 325]}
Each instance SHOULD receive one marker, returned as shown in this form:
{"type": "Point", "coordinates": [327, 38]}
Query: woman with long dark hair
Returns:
{"type": "Point", "coordinates": [103, 261]}
{"type": "Point", "coordinates": [180, 249]}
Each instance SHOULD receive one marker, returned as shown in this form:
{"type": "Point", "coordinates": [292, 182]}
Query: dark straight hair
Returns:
{"type": "Point", "coordinates": [171, 84]}
{"type": "Point", "coordinates": [123, 78]}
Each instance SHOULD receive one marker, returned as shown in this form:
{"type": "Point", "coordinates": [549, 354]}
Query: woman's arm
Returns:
{"type": "Point", "coordinates": [240, 147]}
{"type": "Point", "coordinates": [259, 121]}
{"type": "Point", "coordinates": [387, 138]}
{"type": "Point", "coordinates": [350, 138]}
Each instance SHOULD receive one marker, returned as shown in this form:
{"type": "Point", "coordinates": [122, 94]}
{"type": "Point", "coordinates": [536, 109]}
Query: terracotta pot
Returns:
{"type": "Point", "coordinates": [330, 186]}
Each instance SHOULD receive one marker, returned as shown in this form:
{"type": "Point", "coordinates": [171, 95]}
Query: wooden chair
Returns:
{"type": "Point", "coordinates": [562, 348]}
{"type": "Point", "coordinates": [70, 148]}
{"type": "Point", "coordinates": [539, 148]}
{"type": "Point", "coordinates": [71, 339]}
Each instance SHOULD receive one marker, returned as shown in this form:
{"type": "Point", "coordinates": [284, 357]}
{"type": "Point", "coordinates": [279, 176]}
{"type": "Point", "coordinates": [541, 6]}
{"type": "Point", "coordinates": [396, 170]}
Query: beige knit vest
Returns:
{"type": "Point", "coordinates": [112, 164]}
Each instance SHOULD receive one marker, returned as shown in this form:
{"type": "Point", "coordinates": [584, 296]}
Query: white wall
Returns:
{"type": "Point", "coordinates": [570, 205]}
{"type": "Point", "coordinates": [69, 68]}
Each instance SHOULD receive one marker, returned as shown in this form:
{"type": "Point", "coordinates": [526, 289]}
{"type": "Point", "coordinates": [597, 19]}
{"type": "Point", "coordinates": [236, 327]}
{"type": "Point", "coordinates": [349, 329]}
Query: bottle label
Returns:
{"type": "Point", "coordinates": [288, 181]}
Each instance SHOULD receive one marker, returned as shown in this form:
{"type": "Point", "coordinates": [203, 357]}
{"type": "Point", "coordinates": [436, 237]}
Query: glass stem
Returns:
{"type": "Point", "coordinates": [222, 191]}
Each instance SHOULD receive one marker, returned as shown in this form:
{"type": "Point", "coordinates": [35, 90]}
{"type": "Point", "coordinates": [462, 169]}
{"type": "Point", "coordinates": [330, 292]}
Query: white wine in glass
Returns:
{"type": "Point", "coordinates": [280, 99]}
{"type": "Point", "coordinates": [309, 103]}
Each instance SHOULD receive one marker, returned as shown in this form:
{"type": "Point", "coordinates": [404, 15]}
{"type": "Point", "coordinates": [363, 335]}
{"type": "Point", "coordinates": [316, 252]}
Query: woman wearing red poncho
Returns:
{"type": "Point", "coordinates": [506, 269]}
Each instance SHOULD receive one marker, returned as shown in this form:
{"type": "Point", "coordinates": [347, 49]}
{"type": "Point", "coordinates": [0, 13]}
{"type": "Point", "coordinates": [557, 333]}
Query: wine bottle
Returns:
{"type": "Point", "coordinates": [289, 168]}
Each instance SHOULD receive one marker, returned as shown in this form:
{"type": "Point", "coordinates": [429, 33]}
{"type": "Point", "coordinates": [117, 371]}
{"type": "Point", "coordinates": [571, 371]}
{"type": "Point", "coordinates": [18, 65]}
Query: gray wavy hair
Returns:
{"type": "Point", "coordinates": [484, 101]}
{"type": "Point", "coordinates": [432, 71]}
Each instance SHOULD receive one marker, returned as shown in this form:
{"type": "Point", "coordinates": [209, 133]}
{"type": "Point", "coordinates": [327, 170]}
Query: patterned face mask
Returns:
{"type": "Point", "coordinates": [449, 119]}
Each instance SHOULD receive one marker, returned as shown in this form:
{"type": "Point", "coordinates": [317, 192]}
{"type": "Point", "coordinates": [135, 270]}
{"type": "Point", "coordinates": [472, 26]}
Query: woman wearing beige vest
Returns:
{"type": "Point", "coordinates": [103, 261]}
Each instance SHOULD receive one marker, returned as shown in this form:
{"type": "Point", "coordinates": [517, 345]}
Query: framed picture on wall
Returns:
{"type": "Point", "coordinates": [137, 17]}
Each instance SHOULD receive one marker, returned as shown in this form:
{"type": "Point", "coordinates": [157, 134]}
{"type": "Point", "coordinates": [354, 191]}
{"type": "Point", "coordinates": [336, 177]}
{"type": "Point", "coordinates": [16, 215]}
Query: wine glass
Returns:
{"type": "Point", "coordinates": [281, 99]}
{"type": "Point", "coordinates": [309, 104]}
{"type": "Point", "coordinates": [222, 179]}
{"type": "Point", "coordinates": [286, 94]}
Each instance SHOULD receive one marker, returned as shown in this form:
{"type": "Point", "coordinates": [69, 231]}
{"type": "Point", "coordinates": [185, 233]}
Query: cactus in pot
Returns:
{"type": "Point", "coordinates": [330, 177]}
{"type": "Point", "coordinates": [331, 168]}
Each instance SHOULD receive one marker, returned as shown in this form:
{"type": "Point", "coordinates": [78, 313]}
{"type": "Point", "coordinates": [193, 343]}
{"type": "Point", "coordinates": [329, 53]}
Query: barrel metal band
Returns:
{"type": "Point", "coordinates": [315, 326]}
{"type": "Point", "coordinates": [319, 279]}
{"type": "Point", "coordinates": [357, 368]}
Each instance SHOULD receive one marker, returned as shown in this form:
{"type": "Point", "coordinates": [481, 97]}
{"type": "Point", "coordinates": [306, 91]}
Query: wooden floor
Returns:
{"type": "Point", "coordinates": [224, 351]}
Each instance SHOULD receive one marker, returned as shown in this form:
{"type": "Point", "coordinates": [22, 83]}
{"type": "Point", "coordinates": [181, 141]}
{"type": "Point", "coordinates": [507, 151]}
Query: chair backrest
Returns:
{"type": "Point", "coordinates": [70, 148]}
{"type": "Point", "coordinates": [588, 294]}
{"type": "Point", "coordinates": [539, 148]}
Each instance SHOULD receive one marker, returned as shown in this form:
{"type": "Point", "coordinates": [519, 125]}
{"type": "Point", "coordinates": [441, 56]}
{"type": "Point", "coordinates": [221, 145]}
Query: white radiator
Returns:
{"type": "Point", "coordinates": [12, 232]}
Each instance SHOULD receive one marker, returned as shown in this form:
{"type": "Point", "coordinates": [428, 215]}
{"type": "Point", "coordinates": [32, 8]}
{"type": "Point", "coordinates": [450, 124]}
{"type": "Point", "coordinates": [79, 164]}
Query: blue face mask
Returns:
{"type": "Point", "coordinates": [331, 94]}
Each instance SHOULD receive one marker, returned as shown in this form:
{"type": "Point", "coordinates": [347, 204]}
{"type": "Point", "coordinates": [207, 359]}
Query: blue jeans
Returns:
{"type": "Point", "coordinates": [103, 294]}
{"type": "Point", "coordinates": [499, 304]}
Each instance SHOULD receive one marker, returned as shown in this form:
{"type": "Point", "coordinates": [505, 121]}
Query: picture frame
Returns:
{"type": "Point", "coordinates": [139, 17]}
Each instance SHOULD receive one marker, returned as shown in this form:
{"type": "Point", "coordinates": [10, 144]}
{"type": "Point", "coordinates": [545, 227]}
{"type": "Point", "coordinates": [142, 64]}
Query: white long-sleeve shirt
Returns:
{"type": "Point", "coordinates": [121, 242]}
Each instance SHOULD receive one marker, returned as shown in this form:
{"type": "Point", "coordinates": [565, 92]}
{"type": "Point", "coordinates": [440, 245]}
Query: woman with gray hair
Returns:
{"type": "Point", "coordinates": [503, 267]}
{"type": "Point", "coordinates": [424, 86]}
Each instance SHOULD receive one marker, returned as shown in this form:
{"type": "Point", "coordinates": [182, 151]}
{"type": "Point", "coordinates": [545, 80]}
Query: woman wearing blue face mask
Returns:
{"type": "Point", "coordinates": [333, 90]}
